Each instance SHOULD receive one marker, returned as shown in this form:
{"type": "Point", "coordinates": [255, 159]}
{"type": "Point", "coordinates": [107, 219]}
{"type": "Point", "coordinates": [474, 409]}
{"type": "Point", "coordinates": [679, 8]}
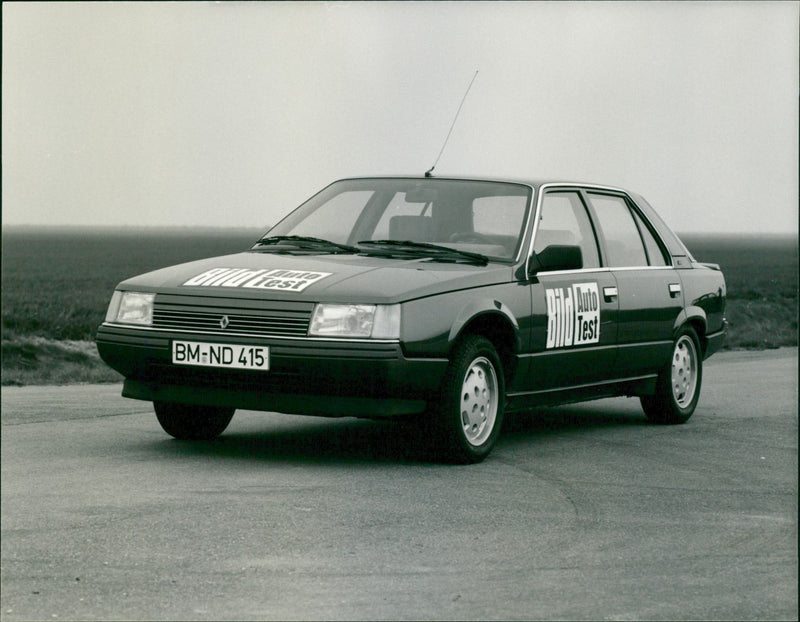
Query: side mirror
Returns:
{"type": "Point", "coordinates": [557, 257]}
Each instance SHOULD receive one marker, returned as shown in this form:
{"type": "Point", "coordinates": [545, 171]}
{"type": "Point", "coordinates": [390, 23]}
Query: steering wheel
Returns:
{"type": "Point", "coordinates": [470, 237]}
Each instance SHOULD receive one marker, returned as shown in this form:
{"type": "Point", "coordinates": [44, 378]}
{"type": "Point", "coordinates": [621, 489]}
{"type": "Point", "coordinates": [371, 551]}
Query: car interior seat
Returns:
{"type": "Point", "coordinates": [414, 228]}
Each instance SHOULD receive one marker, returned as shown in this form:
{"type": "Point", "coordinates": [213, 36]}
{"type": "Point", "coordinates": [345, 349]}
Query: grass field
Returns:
{"type": "Point", "coordinates": [761, 274]}
{"type": "Point", "coordinates": [56, 285]}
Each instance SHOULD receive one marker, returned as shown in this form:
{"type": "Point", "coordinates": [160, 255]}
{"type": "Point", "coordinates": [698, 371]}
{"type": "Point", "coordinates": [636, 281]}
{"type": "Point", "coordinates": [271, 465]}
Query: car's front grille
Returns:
{"type": "Point", "coordinates": [236, 323]}
{"type": "Point", "coordinates": [247, 317]}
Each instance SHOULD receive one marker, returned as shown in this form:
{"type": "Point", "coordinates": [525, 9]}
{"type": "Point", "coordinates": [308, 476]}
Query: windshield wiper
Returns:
{"type": "Point", "coordinates": [303, 243]}
{"type": "Point", "coordinates": [423, 249]}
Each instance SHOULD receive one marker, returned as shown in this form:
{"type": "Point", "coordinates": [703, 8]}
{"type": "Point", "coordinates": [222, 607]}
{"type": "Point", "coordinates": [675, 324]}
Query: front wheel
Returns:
{"type": "Point", "coordinates": [678, 384]}
{"type": "Point", "coordinates": [470, 411]}
{"type": "Point", "coordinates": [193, 423]}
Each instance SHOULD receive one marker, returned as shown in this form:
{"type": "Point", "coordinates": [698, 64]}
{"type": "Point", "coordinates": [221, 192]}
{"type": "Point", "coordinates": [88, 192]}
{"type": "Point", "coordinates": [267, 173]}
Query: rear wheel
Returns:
{"type": "Point", "coordinates": [470, 412]}
{"type": "Point", "coordinates": [195, 423]}
{"type": "Point", "coordinates": [678, 385]}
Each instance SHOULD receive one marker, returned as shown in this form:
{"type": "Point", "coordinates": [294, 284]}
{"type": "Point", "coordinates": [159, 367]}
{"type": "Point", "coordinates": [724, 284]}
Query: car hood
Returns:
{"type": "Point", "coordinates": [318, 278]}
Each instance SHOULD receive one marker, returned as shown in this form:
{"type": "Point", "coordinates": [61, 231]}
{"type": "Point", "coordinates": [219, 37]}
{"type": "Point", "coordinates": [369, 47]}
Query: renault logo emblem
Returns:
{"type": "Point", "coordinates": [223, 323]}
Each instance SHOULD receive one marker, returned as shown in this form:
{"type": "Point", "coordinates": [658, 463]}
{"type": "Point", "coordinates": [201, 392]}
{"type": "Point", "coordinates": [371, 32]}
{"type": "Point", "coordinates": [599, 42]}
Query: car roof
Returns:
{"type": "Point", "coordinates": [535, 182]}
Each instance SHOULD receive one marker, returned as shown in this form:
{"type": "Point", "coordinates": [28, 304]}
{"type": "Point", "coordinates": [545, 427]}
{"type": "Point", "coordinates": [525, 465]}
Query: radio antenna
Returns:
{"type": "Point", "coordinates": [430, 170]}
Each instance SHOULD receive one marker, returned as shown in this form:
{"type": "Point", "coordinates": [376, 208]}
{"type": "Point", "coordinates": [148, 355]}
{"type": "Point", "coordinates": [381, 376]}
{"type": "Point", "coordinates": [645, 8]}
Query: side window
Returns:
{"type": "Point", "coordinates": [654, 253]}
{"type": "Point", "coordinates": [563, 220]}
{"type": "Point", "coordinates": [623, 242]}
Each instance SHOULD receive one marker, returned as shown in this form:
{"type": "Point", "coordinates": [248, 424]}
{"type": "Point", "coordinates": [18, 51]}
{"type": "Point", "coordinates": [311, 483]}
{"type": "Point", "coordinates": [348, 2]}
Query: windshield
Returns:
{"type": "Point", "coordinates": [483, 218]}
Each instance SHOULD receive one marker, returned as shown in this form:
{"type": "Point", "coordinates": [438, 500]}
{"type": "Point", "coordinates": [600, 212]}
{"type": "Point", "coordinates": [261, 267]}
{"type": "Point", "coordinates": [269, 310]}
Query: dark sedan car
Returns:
{"type": "Point", "coordinates": [447, 301]}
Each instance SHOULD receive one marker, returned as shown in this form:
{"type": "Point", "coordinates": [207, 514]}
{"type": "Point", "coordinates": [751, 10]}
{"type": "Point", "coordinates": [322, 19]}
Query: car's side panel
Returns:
{"type": "Point", "coordinates": [428, 326]}
{"type": "Point", "coordinates": [502, 313]}
{"type": "Point", "coordinates": [574, 334]}
{"type": "Point", "coordinates": [482, 307]}
{"type": "Point", "coordinates": [705, 288]}
{"type": "Point", "coordinates": [650, 299]}
{"type": "Point", "coordinates": [705, 296]}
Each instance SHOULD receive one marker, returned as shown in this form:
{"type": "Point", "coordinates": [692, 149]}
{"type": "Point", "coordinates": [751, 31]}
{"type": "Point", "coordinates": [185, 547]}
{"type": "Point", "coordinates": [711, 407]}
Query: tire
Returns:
{"type": "Point", "coordinates": [469, 414]}
{"type": "Point", "coordinates": [678, 384]}
{"type": "Point", "coordinates": [193, 423]}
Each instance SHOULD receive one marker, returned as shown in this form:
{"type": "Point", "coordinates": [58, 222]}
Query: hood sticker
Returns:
{"type": "Point", "coordinates": [573, 315]}
{"type": "Point", "coordinates": [287, 280]}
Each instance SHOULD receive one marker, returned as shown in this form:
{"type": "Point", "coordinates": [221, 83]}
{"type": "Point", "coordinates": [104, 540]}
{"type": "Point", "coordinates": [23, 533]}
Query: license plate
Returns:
{"type": "Point", "coordinates": [231, 356]}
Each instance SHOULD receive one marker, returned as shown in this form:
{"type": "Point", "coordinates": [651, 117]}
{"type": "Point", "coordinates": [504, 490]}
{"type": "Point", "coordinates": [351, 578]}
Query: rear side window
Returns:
{"type": "Point", "coordinates": [624, 245]}
{"type": "Point", "coordinates": [654, 253]}
{"type": "Point", "coordinates": [563, 221]}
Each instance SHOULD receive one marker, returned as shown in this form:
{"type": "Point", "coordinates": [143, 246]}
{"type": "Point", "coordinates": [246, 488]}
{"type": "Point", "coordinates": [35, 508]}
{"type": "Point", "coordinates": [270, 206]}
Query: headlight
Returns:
{"type": "Point", "coordinates": [365, 321]}
{"type": "Point", "coordinates": [131, 308]}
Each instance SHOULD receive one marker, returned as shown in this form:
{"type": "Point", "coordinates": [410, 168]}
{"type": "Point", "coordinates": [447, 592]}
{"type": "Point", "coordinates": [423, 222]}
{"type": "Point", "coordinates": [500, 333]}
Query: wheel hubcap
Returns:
{"type": "Point", "coordinates": [684, 371]}
{"type": "Point", "coordinates": [479, 401]}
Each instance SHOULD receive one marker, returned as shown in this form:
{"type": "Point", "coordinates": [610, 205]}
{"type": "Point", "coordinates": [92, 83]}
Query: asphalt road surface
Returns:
{"type": "Point", "coordinates": [581, 512]}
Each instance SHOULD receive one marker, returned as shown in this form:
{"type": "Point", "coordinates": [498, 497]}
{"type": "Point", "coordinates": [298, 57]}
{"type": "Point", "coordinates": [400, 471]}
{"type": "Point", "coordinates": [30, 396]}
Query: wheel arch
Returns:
{"type": "Point", "coordinates": [696, 318]}
{"type": "Point", "coordinates": [497, 324]}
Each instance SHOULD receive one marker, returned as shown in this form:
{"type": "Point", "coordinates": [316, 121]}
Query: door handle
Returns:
{"type": "Point", "coordinates": [674, 289]}
{"type": "Point", "coordinates": [609, 293]}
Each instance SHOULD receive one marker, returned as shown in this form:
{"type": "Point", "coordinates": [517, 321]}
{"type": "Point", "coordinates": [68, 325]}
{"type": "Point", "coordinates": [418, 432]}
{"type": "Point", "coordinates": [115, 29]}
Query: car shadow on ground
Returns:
{"type": "Point", "coordinates": [572, 418]}
{"type": "Point", "coordinates": [348, 441]}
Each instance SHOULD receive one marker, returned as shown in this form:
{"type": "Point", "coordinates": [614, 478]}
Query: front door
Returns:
{"type": "Point", "coordinates": [574, 330]}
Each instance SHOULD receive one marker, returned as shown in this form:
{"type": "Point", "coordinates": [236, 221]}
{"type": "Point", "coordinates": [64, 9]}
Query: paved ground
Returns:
{"type": "Point", "coordinates": [581, 512]}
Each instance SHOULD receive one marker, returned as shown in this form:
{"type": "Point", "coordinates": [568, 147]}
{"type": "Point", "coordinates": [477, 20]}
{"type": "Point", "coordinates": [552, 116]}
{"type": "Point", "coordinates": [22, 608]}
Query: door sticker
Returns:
{"type": "Point", "coordinates": [286, 280]}
{"type": "Point", "coordinates": [573, 315]}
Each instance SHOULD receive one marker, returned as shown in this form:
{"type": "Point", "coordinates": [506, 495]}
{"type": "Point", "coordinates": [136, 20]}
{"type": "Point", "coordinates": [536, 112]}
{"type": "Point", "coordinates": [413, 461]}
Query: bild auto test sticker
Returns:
{"type": "Point", "coordinates": [573, 315]}
{"type": "Point", "coordinates": [287, 280]}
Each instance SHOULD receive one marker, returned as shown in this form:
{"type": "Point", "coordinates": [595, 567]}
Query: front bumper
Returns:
{"type": "Point", "coordinates": [322, 377]}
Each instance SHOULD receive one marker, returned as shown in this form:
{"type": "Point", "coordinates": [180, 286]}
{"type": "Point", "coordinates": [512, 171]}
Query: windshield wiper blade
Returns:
{"type": "Point", "coordinates": [425, 249]}
{"type": "Point", "coordinates": [302, 242]}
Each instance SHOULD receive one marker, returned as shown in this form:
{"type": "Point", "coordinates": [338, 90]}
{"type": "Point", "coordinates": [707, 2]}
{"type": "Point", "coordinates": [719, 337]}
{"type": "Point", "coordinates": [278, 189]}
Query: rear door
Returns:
{"type": "Point", "coordinates": [650, 296]}
{"type": "Point", "coordinates": [574, 334]}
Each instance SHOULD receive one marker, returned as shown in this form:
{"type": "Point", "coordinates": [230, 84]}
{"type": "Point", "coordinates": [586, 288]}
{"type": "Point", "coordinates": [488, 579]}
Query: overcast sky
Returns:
{"type": "Point", "coordinates": [232, 114]}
